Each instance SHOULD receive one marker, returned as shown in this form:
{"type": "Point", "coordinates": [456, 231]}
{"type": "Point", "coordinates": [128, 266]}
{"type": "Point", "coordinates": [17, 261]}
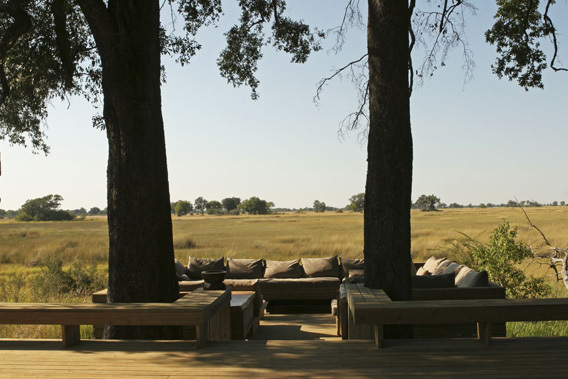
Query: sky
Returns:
{"type": "Point", "coordinates": [486, 141]}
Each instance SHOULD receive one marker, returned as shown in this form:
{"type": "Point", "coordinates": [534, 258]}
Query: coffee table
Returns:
{"type": "Point", "coordinates": [242, 314]}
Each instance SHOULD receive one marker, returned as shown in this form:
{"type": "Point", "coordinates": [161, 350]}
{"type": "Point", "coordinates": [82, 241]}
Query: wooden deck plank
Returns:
{"type": "Point", "coordinates": [308, 358]}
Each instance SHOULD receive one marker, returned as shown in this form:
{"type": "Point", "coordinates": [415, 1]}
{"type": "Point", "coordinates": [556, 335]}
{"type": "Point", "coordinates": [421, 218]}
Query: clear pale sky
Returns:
{"type": "Point", "coordinates": [487, 141]}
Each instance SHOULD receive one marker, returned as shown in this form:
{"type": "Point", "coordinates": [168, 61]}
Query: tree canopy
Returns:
{"type": "Point", "coordinates": [44, 209]}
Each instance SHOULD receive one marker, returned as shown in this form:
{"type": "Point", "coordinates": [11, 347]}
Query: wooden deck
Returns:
{"type": "Point", "coordinates": [318, 354]}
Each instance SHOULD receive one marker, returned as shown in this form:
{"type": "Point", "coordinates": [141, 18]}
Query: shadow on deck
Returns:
{"type": "Point", "coordinates": [278, 351]}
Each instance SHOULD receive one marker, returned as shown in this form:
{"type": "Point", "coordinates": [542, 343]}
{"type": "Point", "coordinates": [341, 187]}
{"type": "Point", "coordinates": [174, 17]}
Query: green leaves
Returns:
{"type": "Point", "coordinates": [516, 32]}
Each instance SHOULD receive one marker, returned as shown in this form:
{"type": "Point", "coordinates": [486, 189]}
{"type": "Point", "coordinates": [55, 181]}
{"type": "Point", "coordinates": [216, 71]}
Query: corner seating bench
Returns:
{"type": "Point", "coordinates": [197, 309]}
{"type": "Point", "coordinates": [372, 306]}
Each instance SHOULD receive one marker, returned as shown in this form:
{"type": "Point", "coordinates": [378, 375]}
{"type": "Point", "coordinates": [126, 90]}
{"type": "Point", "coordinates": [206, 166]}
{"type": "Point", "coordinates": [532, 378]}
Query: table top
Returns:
{"type": "Point", "coordinates": [241, 299]}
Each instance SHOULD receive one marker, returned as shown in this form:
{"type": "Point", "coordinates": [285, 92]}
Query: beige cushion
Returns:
{"type": "Point", "coordinates": [462, 273]}
{"type": "Point", "coordinates": [321, 267]}
{"type": "Point", "coordinates": [348, 264]}
{"type": "Point", "coordinates": [196, 265]}
{"type": "Point", "coordinates": [432, 263]}
{"type": "Point", "coordinates": [356, 273]}
{"type": "Point", "coordinates": [442, 267]}
{"type": "Point", "coordinates": [244, 268]}
{"type": "Point", "coordinates": [422, 272]}
{"type": "Point", "coordinates": [283, 269]}
{"type": "Point", "coordinates": [180, 268]}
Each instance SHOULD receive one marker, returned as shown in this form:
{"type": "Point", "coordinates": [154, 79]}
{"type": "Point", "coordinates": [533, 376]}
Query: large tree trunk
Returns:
{"type": "Point", "coordinates": [141, 254]}
{"type": "Point", "coordinates": [389, 173]}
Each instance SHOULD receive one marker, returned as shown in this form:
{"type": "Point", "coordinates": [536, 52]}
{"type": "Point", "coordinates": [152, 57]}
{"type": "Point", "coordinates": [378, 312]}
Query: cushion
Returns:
{"type": "Point", "coordinates": [442, 266]}
{"type": "Point", "coordinates": [462, 273]}
{"type": "Point", "coordinates": [244, 268]}
{"type": "Point", "coordinates": [348, 264]}
{"type": "Point", "coordinates": [180, 268]}
{"type": "Point", "coordinates": [452, 268]}
{"type": "Point", "coordinates": [422, 272]}
{"type": "Point", "coordinates": [283, 269]}
{"type": "Point", "coordinates": [196, 265]}
{"type": "Point", "coordinates": [183, 278]}
{"type": "Point", "coordinates": [321, 267]}
{"type": "Point", "coordinates": [432, 263]}
{"type": "Point", "coordinates": [434, 281]}
{"type": "Point", "coordinates": [356, 273]}
{"type": "Point", "coordinates": [475, 279]}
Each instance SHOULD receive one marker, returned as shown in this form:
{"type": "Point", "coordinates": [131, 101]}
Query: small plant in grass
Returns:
{"type": "Point", "coordinates": [79, 280]}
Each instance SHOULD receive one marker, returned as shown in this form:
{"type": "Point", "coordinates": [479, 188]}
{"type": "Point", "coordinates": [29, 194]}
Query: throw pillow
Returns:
{"type": "Point", "coordinates": [180, 268]}
{"type": "Point", "coordinates": [321, 267]}
{"type": "Point", "coordinates": [183, 278]}
{"type": "Point", "coordinates": [453, 268]}
{"type": "Point", "coordinates": [475, 279]}
{"type": "Point", "coordinates": [462, 273]}
{"type": "Point", "coordinates": [244, 268]}
{"type": "Point", "coordinates": [356, 273]}
{"type": "Point", "coordinates": [196, 265]}
{"type": "Point", "coordinates": [422, 272]}
{"type": "Point", "coordinates": [349, 264]}
{"type": "Point", "coordinates": [283, 269]}
{"type": "Point", "coordinates": [434, 281]}
{"type": "Point", "coordinates": [442, 267]}
{"type": "Point", "coordinates": [432, 263]}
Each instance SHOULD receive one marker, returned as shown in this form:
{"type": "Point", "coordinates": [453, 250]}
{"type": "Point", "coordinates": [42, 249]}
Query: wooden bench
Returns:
{"type": "Point", "coordinates": [196, 309]}
{"type": "Point", "coordinates": [370, 306]}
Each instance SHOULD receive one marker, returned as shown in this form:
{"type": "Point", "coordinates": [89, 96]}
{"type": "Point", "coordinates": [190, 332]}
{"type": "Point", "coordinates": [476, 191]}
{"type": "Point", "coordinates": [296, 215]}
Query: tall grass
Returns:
{"type": "Point", "coordinates": [25, 247]}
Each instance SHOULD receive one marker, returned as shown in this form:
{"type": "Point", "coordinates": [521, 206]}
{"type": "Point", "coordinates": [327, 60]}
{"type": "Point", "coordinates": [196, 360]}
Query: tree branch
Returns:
{"type": "Point", "coordinates": [550, 29]}
{"type": "Point", "coordinates": [102, 26]}
{"type": "Point", "coordinates": [337, 72]}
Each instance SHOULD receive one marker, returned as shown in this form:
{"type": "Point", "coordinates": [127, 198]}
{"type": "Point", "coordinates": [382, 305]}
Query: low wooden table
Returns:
{"type": "Point", "coordinates": [243, 322]}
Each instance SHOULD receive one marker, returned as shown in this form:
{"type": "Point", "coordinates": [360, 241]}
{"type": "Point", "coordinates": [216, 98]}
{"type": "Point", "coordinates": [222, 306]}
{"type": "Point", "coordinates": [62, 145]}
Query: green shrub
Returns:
{"type": "Point", "coordinates": [500, 257]}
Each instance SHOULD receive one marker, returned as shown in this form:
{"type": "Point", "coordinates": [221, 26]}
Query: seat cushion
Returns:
{"type": "Point", "coordinates": [301, 288]}
{"type": "Point", "coordinates": [242, 284]}
{"type": "Point", "coordinates": [197, 265]}
{"type": "Point", "coordinates": [321, 267]}
{"type": "Point", "coordinates": [245, 268]}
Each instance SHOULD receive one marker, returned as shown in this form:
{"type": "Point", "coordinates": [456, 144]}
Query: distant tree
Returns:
{"type": "Point", "coordinates": [563, 203]}
{"type": "Point", "coordinates": [79, 212]}
{"type": "Point", "coordinates": [213, 207]}
{"type": "Point", "coordinates": [555, 203]}
{"type": "Point", "coordinates": [427, 203]}
{"type": "Point", "coordinates": [43, 209]}
{"type": "Point", "coordinates": [455, 205]}
{"type": "Point", "coordinates": [94, 211]}
{"type": "Point", "coordinates": [200, 204]}
{"type": "Point", "coordinates": [357, 202]}
{"type": "Point", "coordinates": [182, 207]}
{"type": "Point", "coordinates": [512, 203]}
{"type": "Point", "coordinates": [256, 206]}
{"type": "Point", "coordinates": [319, 206]}
{"type": "Point", "coordinates": [231, 203]}
{"type": "Point", "coordinates": [3, 213]}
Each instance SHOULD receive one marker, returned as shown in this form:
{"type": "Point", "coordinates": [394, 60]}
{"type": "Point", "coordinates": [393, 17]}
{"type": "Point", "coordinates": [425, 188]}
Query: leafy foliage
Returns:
{"type": "Point", "coordinates": [516, 32]}
{"type": "Point", "coordinates": [256, 206]}
{"type": "Point", "coordinates": [500, 257]}
{"type": "Point", "coordinates": [427, 203]}
{"type": "Point", "coordinates": [182, 207]}
{"type": "Point", "coordinates": [319, 206]}
{"type": "Point", "coordinates": [213, 207]}
{"type": "Point", "coordinates": [200, 204]}
{"type": "Point", "coordinates": [44, 209]}
{"type": "Point", "coordinates": [357, 202]}
{"type": "Point", "coordinates": [231, 203]}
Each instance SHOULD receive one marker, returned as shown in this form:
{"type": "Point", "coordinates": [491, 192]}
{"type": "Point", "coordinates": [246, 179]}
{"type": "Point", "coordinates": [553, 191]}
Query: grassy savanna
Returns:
{"type": "Point", "coordinates": [25, 246]}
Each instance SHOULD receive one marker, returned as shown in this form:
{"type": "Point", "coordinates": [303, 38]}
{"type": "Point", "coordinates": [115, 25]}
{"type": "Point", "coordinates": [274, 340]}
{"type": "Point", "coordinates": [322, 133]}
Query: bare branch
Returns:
{"type": "Point", "coordinates": [550, 29]}
{"type": "Point", "coordinates": [336, 73]}
{"type": "Point", "coordinates": [351, 16]}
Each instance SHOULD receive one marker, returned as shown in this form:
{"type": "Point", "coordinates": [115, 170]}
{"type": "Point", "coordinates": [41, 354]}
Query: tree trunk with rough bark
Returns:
{"type": "Point", "coordinates": [140, 229]}
{"type": "Point", "coordinates": [389, 173]}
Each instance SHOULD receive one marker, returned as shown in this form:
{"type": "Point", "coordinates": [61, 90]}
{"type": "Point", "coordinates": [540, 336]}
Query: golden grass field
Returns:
{"type": "Point", "coordinates": [277, 237]}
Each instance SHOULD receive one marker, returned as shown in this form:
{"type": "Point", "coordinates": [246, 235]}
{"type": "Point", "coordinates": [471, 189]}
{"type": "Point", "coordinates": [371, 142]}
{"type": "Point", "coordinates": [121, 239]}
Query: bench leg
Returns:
{"type": "Point", "coordinates": [202, 334]}
{"type": "Point", "coordinates": [71, 334]}
{"type": "Point", "coordinates": [484, 332]}
{"type": "Point", "coordinates": [379, 336]}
